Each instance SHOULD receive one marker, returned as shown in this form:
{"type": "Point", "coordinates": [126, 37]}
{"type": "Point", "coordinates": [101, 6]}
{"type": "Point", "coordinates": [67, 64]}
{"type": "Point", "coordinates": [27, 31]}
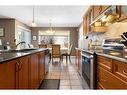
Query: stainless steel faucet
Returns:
{"type": "Point", "coordinates": [20, 43]}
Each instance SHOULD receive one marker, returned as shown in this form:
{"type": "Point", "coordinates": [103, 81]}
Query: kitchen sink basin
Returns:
{"type": "Point", "coordinates": [18, 50]}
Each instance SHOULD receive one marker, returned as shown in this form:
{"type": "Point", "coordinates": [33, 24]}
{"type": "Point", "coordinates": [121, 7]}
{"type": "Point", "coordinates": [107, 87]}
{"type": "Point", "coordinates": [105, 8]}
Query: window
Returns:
{"type": "Point", "coordinates": [59, 37]}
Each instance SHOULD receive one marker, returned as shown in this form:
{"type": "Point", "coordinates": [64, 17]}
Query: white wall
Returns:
{"type": "Point", "coordinates": [80, 37]}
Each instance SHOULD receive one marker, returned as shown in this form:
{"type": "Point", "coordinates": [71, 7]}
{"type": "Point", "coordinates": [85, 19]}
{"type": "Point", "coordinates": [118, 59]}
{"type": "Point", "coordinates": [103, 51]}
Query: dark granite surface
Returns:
{"type": "Point", "coordinates": [117, 55]}
{"type": "Point", "coordinates": [7, 55]}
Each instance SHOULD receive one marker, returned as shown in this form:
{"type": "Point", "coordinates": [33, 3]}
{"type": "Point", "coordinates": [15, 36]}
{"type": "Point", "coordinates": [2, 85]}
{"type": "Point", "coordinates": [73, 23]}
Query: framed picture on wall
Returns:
{"type": "Point", "coordinates": [34, 38]}
{"type": "Point", "coordinates": [1, 32]}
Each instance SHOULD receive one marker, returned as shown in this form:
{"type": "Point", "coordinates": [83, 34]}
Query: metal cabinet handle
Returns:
{"type": "Point", "coordinates": [125, 72]}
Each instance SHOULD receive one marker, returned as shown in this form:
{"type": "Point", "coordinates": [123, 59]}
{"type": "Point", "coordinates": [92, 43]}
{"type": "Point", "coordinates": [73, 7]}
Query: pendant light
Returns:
{"type": "Point", "coordinates": [33, 21]}
{"type": "Point", "coordinates": [50, 30]}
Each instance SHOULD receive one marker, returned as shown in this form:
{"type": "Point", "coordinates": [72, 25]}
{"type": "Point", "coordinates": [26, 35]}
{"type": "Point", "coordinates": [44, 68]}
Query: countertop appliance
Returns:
{"type": "Point", "coordinates": [88, 70]}
{"type": "Point", "coordinates": [124, 36]}
{"type": "Point", "coordinates": [113, 44]}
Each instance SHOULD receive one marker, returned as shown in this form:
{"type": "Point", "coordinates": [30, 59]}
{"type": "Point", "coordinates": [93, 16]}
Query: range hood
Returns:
{"type": "Point", "coordinates": [108, 17]}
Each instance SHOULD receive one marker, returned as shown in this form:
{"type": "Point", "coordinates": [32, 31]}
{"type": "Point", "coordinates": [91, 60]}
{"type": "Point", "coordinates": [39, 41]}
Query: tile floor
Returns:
{"type": "Point", "coordinates": [67, 73]}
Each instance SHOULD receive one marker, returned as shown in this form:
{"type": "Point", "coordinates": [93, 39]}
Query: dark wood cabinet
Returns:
{"type": "Point", "coordinates": [8, 74]}
{"type": "Point", "coordinates": [25, 72]}
{"type": "Point", "coordinates": [22, 73]}
{"type": "Point", "coordinates": [33, 67]}
{"type": "Point", "coordinates": [41, 66]}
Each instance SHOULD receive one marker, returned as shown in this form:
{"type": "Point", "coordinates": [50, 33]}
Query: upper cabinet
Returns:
{"type": "Point", "coordinates": [96, 11]}
{"type": "Point", "coordinates": [87, 19]}
{"type": "Point", "coordinates": [98, 17]}
{"type": "Point", "coordinates": [85, 25]}
{"type": "Point", "coordinates": [103, 8]}
{"type": "Point", "coordinates": [123, 13]}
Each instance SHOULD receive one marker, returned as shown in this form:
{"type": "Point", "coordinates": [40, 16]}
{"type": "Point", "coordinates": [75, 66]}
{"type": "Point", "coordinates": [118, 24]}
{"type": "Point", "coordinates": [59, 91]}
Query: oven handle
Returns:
{"type": "Point", "coordinates": [90, 57]}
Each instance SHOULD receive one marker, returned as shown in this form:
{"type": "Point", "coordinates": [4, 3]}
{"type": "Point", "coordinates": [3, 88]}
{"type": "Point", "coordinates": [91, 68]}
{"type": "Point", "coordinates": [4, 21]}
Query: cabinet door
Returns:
{"type": "Point", "coordinates": [78, 59]}
{"type": "Point", "coordinates": [7, 75]}
{"type": "Point", "coordinates": [120, 69]}
{"type": "Point", "coordinates": [34, 83]}
{"type": "Point", "coordinates": [88, 23]}
{"type": "Point", "coordinates": [103, 8]}
{"type": "Point", "coordinates": [90, 18]}
{"type": "Point", "coordinates": [85, 25]}
{"type": "Point", "coordinates": [109, 80]}
{"type": "Point", "coordinates": [123, 13]}
{"type": "Point", "coordinates": [105, 62]}
{"type": "Point", "coordinates": [41, 66]}
{"type": "Point", "coordinates": [96, 11]}
{"type": "Point", "coordinates": [22, 74]}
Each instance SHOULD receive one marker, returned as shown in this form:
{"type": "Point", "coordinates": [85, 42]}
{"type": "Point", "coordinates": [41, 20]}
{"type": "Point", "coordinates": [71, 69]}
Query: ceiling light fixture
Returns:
{"type": "Point", "coordinates": [50, 30]}
{"type": "Point", "coordinates": [33, 21]}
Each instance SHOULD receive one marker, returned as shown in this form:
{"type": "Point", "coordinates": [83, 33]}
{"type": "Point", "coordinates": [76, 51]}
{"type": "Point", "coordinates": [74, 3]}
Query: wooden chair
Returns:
{"type": "Point", "coordinates": [67, 54]}
{"type": "Point", "coordinates": [56, 51]}
{"type": "Point", "coordinates": [42, 46]}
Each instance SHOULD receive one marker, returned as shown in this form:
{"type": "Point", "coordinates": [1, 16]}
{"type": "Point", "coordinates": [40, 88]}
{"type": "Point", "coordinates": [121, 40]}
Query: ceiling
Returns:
{"type": "Point", "coordinates": [61, 16]}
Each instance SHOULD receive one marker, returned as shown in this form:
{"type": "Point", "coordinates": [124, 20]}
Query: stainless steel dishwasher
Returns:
{"type": "Point", "coordinates": [47, 60]}
{"type": "Point", "coordinates": [88, 71]}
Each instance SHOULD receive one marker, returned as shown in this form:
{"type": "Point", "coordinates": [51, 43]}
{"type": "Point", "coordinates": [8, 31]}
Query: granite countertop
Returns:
{"type": "Point", "coordinates": [6, 56]}
{"type": "Point", "coordinates": [117, 55]}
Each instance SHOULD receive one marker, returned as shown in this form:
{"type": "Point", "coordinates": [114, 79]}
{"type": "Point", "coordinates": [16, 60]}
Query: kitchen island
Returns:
{"type": "Point", "coordinates": [22, 69]}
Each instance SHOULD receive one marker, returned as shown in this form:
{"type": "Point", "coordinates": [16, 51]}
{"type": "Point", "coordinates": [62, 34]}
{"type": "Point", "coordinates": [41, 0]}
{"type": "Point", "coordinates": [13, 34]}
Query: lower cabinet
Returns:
{"type": "Point", "coordinates": [111, 74]}
{"type": "Point", "coordinates": [23, 73]}
{"type": "Point", "coordinates": [109, 80]}
{"type": "Point", "coordinates": [36, 69]}
{"type": "Point", "coordinates": [41, 66]}
{"type": "Point", "coordinates": [78, 59]}
{"type": "Point", "coordinates": [7, 75]}
{"type": "Point", "coordinates": [33, 67]}
{"type": "Point", "coordinates": [22, 81]}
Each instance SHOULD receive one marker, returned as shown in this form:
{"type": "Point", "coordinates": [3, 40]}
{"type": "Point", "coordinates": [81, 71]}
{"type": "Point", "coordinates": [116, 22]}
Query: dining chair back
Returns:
{"type": "Point", "coordinates": [70, 50]}
{"type": "Point", "coordinates": [56, 51]}
{"type": "Point", "coordinates": [68, 53]}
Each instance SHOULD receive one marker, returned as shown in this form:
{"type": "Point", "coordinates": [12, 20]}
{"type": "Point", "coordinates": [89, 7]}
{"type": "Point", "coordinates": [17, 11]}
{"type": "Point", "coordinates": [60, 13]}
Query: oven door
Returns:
{"type": "Point", "coordinates": [86, 69]}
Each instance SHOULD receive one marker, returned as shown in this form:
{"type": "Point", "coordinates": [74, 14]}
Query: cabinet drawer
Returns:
{"type": "Point", "coordinates": [105, 62]}
{"type": "Point", "coordinates": [120, 70]}
{"type": "Point", "coordinates": [110, 81]}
